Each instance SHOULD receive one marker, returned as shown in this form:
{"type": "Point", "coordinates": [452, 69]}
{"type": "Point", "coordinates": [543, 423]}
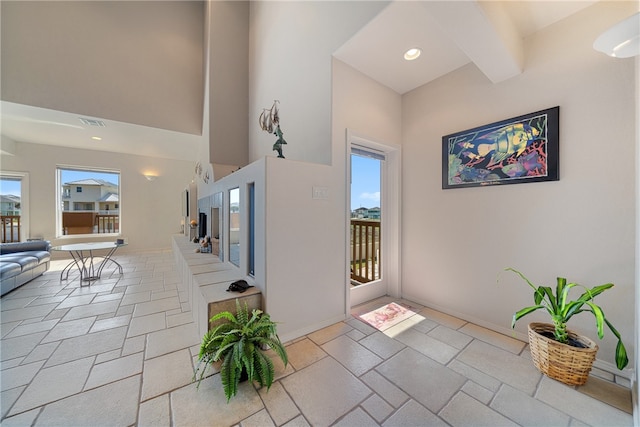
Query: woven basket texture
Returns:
{"type": "Point", "coordinates": [562, 362]}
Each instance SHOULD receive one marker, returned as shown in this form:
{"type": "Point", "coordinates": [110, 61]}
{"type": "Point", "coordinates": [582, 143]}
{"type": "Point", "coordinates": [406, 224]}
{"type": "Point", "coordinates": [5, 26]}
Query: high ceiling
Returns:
{"type": "Point", "coordinates": [451, 34]}
{"type": "Point", "coordinates": [44, 126]}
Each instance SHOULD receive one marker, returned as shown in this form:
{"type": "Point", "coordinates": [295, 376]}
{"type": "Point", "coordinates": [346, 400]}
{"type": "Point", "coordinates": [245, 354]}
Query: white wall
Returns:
{"type": "Point", "coordinates": [290, 50]}
{"type": "Point", "coordinates": [134, 62]}
{"type": "Point", "coordinates": [364, 106]}
{"type": "Point", "coordinates": [636, 406]}
{"type": "Point", "coordinates": [372, 111]}
{"type": "Point", "coordinates": [299, 245]}
{"type": "Point", "coordinates": [301, 252]}
{"type": "Point", "coordinates": [150, 210]}
{"type": "Point", "coordinates": [215, 194]}
{"type": "Point", "coordinates": [228, 75]}
{"type": "Point", "coordinates": [581, 227]}
{"type": "Point", "coordinates": [305, 253]}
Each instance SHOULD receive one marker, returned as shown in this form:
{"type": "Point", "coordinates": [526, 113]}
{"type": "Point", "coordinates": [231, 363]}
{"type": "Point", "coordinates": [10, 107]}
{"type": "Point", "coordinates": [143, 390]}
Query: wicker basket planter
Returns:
{"type": "Point", "coordinates": [562, 362]}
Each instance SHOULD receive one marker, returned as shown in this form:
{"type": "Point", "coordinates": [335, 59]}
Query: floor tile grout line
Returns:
{"type": "Point", "coordinates": [359, 405]}
{"type": "Point", "coordinates": [44, 362]}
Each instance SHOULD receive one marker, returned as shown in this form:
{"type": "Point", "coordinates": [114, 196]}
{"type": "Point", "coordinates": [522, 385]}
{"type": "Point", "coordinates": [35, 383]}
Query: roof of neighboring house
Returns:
{"type": "Point", "coordinates": [92, 181]}
{"type": "Point", "coordinates": [9, 198]}
{"type": "Point", "coordinates": [109, 197]}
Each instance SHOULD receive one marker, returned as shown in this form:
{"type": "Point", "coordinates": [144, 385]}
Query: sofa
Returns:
{"type": "Point", "coordinates": [21, 262]}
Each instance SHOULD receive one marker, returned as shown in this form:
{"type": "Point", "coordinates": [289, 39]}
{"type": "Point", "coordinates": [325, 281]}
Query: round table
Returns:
{"type": "Point", "coordinates": [84, 259]}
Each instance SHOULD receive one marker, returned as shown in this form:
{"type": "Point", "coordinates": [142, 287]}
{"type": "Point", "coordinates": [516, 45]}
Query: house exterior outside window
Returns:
{"type": "Point", "coordinates": [89, 202]}
{"type": "Point", "coordinates": [9, 205]}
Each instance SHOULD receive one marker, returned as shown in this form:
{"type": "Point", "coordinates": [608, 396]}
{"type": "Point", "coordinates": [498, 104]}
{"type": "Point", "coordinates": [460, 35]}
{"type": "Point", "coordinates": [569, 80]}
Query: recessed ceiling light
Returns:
{"type": "Point", "coordinates": [96, 138]}
{"type": "Point", "coordinates": [412, 53]}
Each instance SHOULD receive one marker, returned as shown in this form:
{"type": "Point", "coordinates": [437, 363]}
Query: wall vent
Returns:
{"type": "Point", "coordinates": [92, 122]}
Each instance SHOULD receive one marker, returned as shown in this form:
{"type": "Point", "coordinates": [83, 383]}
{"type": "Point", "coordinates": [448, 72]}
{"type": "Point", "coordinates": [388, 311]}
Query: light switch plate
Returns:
{"type": "Point", "coordinates": [320, 193]}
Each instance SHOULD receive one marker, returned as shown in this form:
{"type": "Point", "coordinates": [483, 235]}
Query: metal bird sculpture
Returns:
{"type": "Point", "coordinates": [268, 119]}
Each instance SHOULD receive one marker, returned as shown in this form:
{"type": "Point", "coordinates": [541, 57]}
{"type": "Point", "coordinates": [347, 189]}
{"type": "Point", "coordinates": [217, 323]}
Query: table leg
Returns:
{"type": "Point", "coordinates": [86, 272]}
{"type": "Point", "coordinates": [108, 258]}
{"type": "Point", "coordinates": [67, 269]}
{"type": "Point", "coordinates": [89, 271]}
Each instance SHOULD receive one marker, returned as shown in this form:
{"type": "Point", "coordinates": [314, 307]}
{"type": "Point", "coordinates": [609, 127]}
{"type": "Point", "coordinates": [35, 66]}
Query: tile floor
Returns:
{"type": "Point", "coordinates": [122, 352]}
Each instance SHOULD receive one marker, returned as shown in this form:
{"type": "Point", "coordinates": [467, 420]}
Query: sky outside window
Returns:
{"type": "Point", "coordinates": [74, 175]}
{"type": "Point", "coordinates": [365, 182]}
{"type": "Point", "coordinates": [10, 186]}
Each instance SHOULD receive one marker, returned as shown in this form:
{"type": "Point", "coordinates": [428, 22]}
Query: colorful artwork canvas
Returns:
{"type": "Point", "coordinates": [517, 150]}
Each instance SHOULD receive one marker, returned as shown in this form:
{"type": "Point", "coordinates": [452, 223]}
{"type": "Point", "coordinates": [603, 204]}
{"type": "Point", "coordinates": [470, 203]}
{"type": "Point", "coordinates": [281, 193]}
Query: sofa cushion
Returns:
{"type": "Point", "coordinates": [9, 269]}
{"type": "Point", "coordinates": [42, 256]}
{"type": "Point", "coordinates": [20, 262]}
{"type": "Point", "coordinates": [26, 262]}
{"type": "Point", "coordinates": [32, 245]}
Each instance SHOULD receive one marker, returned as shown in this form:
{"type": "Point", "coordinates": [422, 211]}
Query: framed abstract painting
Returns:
{"type": "Point", "coordinates": [513, 151]}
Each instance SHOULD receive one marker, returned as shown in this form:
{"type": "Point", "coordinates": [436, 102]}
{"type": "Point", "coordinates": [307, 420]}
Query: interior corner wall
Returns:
{"type": "Point", "coordinates": [150, 210]}
{"type": "Point", "coordinates": [290, 48]}
{"type": "Point", "coordinates": [364, 106]}
{"type": "Point", "coordinates": [305, 251]}
{"type": "Point", "coordinates": [372, 111]}
{"type": "Point", "coordinates": [299, 241]}
{"type": "Point", "coordinates": [456, 242]}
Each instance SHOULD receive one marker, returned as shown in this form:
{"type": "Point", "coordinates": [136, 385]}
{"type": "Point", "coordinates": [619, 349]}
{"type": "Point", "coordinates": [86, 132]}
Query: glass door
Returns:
{"type": "Point", "coordinates": [366, 232]}
{"type": "Point", "coordinates": [373, 220]}
{"type": "Point", "coordinates": [366, 214]}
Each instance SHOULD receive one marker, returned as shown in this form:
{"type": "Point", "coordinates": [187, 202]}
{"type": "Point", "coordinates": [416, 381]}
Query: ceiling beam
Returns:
{"type": "Point", "coordinates": [484, 33]}
{"type": "Point", "coordinates": [7, 146]}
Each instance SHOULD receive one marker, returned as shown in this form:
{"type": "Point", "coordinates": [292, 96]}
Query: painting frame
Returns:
{"type": "Point", "coordinates": [517, 150]}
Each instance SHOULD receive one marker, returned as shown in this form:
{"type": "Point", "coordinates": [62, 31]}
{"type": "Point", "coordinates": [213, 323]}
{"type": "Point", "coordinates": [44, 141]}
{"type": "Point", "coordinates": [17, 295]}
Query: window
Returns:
{"type": "Point", "coordinates": [94, 206]}
{"type": "Point", "coordinates": [252, 229]}
{"type": "Point", "coordinates": [77, 206]}
{"type": "Point", "coordinates": [234, 226]}
{"type": "Point", "coordinates": [13, 207]}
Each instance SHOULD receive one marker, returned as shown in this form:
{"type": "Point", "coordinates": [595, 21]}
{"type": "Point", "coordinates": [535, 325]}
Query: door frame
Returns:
{"type": "Point", "coordinates": [390, 188]}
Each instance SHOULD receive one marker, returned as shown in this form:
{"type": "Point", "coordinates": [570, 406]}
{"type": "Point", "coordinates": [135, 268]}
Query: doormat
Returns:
{"type": "Point", "coordinates": [385, 317]}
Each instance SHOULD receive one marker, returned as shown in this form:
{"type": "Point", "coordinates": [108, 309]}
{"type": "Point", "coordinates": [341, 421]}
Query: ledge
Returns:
{"type": "Point", "coordinates": [204, 283]}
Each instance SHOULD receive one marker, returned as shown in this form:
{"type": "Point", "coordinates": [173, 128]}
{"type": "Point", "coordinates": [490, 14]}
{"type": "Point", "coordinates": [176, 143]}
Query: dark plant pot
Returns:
{"type": "Point", "coordinates": [244, 376]}
{"type": "Point", "coordinates": [565, 363]}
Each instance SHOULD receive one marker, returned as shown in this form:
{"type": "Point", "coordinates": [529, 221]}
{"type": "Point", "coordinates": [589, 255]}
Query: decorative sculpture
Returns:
{"type": "Point", "coordinates": [267, 120]}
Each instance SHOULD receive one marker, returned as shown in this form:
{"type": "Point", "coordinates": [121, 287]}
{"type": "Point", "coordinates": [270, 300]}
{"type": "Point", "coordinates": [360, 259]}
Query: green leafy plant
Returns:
{"type": "Point", "coordinates": [238, 343]}
{"type": "Point", "coordinates": [561, 309]}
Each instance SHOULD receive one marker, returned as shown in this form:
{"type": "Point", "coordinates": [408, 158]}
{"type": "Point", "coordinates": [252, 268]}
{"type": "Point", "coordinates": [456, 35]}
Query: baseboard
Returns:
{"type": "Point", "coordinates": [298, 333]}
{"type": "Point", "coordinates": [626, 373]}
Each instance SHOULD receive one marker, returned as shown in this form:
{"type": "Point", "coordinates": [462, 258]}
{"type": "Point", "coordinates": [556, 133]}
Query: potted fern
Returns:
{"type": "Point", "coordinates": [237, 340]}
{"type": "Point", "coordinates": [556, 351]}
